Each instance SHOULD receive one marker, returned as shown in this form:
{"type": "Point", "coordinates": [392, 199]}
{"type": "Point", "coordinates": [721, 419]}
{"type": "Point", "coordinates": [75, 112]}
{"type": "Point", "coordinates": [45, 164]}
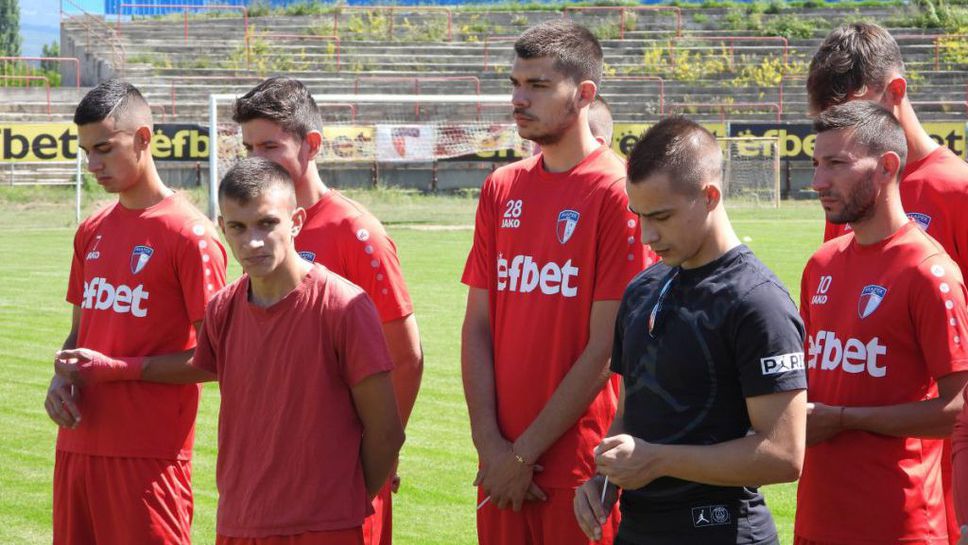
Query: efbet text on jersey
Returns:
{"type": "Point", "coordinates": [99, 294]}
{"type": "Point", "coordinates": [853, 356]}
{"type": "Point", "coordinates": [524, 275]}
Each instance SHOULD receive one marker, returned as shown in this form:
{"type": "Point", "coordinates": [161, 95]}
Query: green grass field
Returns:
{"type": "Point", "coordinates": [436, 502]}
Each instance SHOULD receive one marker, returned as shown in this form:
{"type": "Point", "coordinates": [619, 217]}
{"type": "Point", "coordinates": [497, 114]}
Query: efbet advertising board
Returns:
{"type": "Point", "coordinates": [58, 142]}
{"type": "Point", "coordinates": [797, 139]}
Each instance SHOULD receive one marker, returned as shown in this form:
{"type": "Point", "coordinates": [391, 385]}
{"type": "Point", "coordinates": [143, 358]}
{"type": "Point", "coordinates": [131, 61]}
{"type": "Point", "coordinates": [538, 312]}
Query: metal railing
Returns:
{"type": "Point", "coordinates": [338, 13]}
{"type": "Point", "coordinates": [622, 11]}
{"type": "Point", "coordinates": [74, 60]}
{"type": "Point", "coordinates": [32, 78]}
{"type": "Point", "coordinates": [723, 107]}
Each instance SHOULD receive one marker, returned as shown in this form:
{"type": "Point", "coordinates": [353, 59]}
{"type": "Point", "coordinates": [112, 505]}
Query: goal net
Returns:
{"type": "Point", "coordinates": [751, 171]}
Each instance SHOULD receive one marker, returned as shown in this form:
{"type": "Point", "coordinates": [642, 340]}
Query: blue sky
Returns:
{"type": "Point", "coordinates": [40, 22]}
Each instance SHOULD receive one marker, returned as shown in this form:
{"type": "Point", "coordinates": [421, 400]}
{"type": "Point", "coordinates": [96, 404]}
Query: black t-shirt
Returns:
{"type": "Point", "coordinates": [721, 333]}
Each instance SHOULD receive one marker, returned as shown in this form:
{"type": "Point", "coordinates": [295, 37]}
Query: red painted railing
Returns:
{"type": "Point", "coordinates": [416, 85]}
{"type": "Point", "coordinates": [185, 8]}
{"type": "Point", "coordinates": [333, 39]}
{"type": "Point", "coordinates": [623, 9]}
{"type": "Point", "coordinates": [74, 60]}
{"type": "Point", "coordinates": [657, 79]}
{"type": "Point", "coordinates": [487, 47]}
{"type": "Point", "coordinates": [338, 12]}
{"type": "Point", "coordinates": [723, 108]}
{"type": "Point", "coordinates": [340, 105]}
{"type": "Point", "coordinates": [32, 78]}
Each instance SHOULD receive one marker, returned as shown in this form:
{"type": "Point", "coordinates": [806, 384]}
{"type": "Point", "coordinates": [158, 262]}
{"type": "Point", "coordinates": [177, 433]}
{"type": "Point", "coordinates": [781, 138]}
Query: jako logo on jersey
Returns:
{"type": "Point", "coordinates": [774, 365]}
{"type": "Point", "coordinates": [854, 356]}
{"type": "Point", "coordinates": [308, 256]}
{"type": "Point", "coordinates": [923, 220]}
{"type": "Point", "coordinates": [99, 294]}
{"type": "Point", "coordinates": [94, 254]}
{"type": "Point", "coordinates": [139, 258]}
{"type": "Point", "coordinates": [870, 297]}
{"type": "Point", "coordinates": [822, 288]}
{"type": "Point", "coordinates": [567, 221]}
{"type": "Point", "coordinates": [512, 215]}
{"type": "Point", "coordinates": [524, 275]}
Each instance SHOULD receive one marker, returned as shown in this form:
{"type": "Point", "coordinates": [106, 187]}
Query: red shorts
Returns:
{"type": "Point", "coordinates": [120, 501]}
{"type": "Point", "coordinates": [549, 521]}
{"type": "Point", "coordinates": [352, 536]}
{"type": "Point", "coordinates": [378, 527]}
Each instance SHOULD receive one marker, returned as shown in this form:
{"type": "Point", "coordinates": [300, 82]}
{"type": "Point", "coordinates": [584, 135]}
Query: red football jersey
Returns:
{"type": "Point", "coordinates": [345, 238]}
{"type": "Point", "coordinates": [934, 192]}
{"type": "Point", "coordinates": [884, 322]}
{"type": "Point", "coordinates": [546, 246]}
{"type": "Point", "coordinates": [141, 278]}
{"type": "Point", "coordinates": [289, 435]}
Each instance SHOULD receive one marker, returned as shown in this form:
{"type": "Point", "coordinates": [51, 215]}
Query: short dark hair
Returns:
{"type": "Point", "coordinates": [574, 48]}
{"type": "Point", "coordinates": [112, 98]}
{"type": "Point", "coordinates": [872, 126]}
{"type": "Point", "coordinates": [682, 149]}
{"type": "Point", "coordinates": [251, 178]}
{"type": "Point", "coordinates": [283, 100]}
{"type": "Point", "coordinates": [851, 57]}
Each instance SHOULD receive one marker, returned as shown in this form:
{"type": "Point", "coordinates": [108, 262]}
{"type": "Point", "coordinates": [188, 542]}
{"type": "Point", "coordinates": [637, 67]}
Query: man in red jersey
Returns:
{"type": "Point", "coordinates": [142, 273]}
{"type": "Point", "coordinates": [554, 247]}
{"type": "Point", "coordinates": [884, 310]}
{"type": "Point", "coordinates": [281, 122]}
{"type": "Point", "coordinates": [862, 61]}
{"type": "Point", "coordinates": [308, 427]}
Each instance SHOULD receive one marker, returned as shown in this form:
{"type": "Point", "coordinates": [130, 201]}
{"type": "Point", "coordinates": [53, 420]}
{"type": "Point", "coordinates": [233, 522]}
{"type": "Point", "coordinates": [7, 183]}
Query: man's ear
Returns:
{"type": "Point", "coordinates": [314, 139]}
{"type": "Point", "coordinates": [298, 220]}
{"type": "Point", "coordinates": [142, 137]}
{"type": "Point", "coordinates": [587, 91]}
{"type": "Point", "coordinates": [713, 195]}
{"type": "Point", "coordinates": [895, 91]}
{"type": "Point", "coordinates": [890, 165]}
{"type": "Point", "coordinates": [221, 223]}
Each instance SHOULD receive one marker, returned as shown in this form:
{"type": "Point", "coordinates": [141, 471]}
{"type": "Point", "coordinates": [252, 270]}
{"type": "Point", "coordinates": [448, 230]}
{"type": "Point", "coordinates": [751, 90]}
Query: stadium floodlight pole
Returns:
{"type": "Point", "coordinates": [213, 101]}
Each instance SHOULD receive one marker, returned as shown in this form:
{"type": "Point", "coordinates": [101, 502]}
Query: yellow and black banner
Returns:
{"type": "Point", "coordinates": [36, 142]}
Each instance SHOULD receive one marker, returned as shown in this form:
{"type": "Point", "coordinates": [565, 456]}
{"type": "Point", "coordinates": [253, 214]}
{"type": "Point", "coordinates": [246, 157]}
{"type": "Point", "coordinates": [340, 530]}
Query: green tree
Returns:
{"type": "Point", "coordinates": [9, 28]}
{"type": "Point", "coordinates": [50, 50]}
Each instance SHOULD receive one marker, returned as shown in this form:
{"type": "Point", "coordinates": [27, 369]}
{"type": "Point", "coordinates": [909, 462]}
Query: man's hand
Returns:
{"type": "Point", "coordinates": [60, 403]}
{"type": "Point", "coordinates": [823, 422]}
{"type": "Point", "coordinates": [628, 462]}
{"type": "Point", "coordinates": [85, 366]}
{"type": "Point", "coordinates": [506, 480]}
{"type": "Point", "coordinates": [590, 511]}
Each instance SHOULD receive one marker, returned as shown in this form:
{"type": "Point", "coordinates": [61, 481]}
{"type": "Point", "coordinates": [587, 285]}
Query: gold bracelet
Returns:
{"type": "Point", "coordinates": [519, 458]}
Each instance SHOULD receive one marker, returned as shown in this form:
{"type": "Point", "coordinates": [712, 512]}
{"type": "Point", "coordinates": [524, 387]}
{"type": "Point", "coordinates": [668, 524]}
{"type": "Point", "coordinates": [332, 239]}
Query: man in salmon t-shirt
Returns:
{"type": "Point", "coordinates": [308, 426]}
{"type": "Point", "coordinates": [861, 61]}
{"type": "Point", "coordinates": [554, 247]}
{"type": "Point", "coordinates": [142, 273]}
{"type": "Point", "coordinates": [281, 122]}
{"type": "Point", "coordinates": [884, 310]}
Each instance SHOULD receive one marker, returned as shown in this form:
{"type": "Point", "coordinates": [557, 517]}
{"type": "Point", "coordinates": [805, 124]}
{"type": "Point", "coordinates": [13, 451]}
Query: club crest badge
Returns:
{"type": "Point", "coordinates": [923, 220]}
{"type": "Point", "coordinates": [567, 222]}
{"type": "Point", "coordinates": [139, 258]}
{"type": "Point", "coordinates": [870, 298]}
{"type": "Point", "coordinates": [308, 256]}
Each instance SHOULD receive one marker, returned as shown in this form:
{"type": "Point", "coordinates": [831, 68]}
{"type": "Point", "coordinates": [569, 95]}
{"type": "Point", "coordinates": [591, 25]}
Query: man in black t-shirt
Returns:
{"type": "Point", "coordinates": [710, 349]}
